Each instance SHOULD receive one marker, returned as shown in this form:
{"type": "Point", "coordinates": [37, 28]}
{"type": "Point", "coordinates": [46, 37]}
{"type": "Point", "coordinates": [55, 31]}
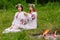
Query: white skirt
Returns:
{"type": "Point", "coordinates": [11, 29]}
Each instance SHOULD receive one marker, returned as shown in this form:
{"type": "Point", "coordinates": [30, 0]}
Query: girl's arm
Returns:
{"type": "Point", "coordinates": [26, 14]}
{"type": "Point", "coordinates": [34, 16]}
{"type": "Point", "coordinates": [14, 18]}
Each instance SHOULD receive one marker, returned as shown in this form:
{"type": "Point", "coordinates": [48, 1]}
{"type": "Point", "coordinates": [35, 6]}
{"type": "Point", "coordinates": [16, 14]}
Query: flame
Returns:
{"type": "Point", "coordinates": [46, 31]}
{"type": "Point", "coordinates": [55, 33]}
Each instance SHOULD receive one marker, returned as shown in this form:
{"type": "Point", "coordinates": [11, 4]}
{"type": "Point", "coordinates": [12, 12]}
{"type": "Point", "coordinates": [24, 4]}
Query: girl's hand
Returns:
{"type": "Point", "coordinates": [26, 14]}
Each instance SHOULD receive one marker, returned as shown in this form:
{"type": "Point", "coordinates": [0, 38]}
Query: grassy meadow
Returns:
{"type": "Point", "coordinates": [48, 18]}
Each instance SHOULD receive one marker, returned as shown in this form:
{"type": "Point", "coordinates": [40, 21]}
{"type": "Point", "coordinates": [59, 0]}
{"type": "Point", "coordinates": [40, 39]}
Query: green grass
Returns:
{"type": "Point", "coordinates": [48, 17]}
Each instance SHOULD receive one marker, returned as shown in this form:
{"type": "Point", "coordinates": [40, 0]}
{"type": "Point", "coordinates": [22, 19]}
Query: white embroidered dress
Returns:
{"type": "Point", "coordinates": [32, 21]}
{"type": "Point", "coordinates": [18, 22]}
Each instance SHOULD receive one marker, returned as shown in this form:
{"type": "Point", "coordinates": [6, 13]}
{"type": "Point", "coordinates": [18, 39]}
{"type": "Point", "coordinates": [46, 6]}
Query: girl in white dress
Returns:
{"type": "Point", "coordinates": [23, 20]}
{"type": "Point", "coordinates": [18, 22]}
{"type": "Point", "coordinates": [32, 18]}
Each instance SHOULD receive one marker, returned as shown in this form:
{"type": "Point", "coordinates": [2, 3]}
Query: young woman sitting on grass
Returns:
{"type": "Point", "coordinates": [18, 22]}
{"type": "Point", "coordinates": [32, 18]}
{"type": "Point", "coordinates": [23, 20]}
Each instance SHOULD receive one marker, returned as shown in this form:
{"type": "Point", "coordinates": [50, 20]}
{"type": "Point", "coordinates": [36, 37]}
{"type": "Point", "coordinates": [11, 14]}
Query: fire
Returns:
{"type": "Point", "coordinates": [46, 31]}
{"type": "Point", "coordinates": [55, 33]}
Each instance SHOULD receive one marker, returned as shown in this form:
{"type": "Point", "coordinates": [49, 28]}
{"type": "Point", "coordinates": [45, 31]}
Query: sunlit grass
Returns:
{"type": "Point", "coordinates": [48, 17]}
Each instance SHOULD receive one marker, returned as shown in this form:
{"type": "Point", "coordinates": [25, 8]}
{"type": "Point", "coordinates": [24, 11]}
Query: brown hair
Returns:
{"type": "Point", "coordinates": [20, 6]}
{"type": "Point", "coordinates": [33, 9]}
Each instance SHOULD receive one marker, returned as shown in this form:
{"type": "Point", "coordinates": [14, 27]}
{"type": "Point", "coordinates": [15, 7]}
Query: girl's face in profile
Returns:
{"type": "Point", "coordinates": [19, 8]}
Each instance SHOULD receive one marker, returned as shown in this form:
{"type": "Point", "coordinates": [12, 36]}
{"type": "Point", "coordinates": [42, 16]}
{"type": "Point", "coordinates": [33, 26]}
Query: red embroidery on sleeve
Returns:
{"type": "Point", "coordinates": [17, 15]}
{"type": "Point", "coordinates": [22, 21]}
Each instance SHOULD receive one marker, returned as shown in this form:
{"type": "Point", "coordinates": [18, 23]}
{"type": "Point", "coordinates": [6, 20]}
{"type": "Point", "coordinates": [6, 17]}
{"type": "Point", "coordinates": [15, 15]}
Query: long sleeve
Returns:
{"type": "Point", "coordinates": [32, 16]}
{"type": "Point", "coordinates": [14, 18]}
{"type": "Point", "coordinates": [33, 20]}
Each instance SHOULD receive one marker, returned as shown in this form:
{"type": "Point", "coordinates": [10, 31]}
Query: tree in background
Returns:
{"type": "Point", "coordinates": [5, 4]}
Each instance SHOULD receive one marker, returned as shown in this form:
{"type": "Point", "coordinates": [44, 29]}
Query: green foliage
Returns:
{"type": "Point", "coordinates": [6, 4]}
{"type": "Point", "coordinates": [48, 17]}
{"type": "Point", "coordinates": [9, 4]}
